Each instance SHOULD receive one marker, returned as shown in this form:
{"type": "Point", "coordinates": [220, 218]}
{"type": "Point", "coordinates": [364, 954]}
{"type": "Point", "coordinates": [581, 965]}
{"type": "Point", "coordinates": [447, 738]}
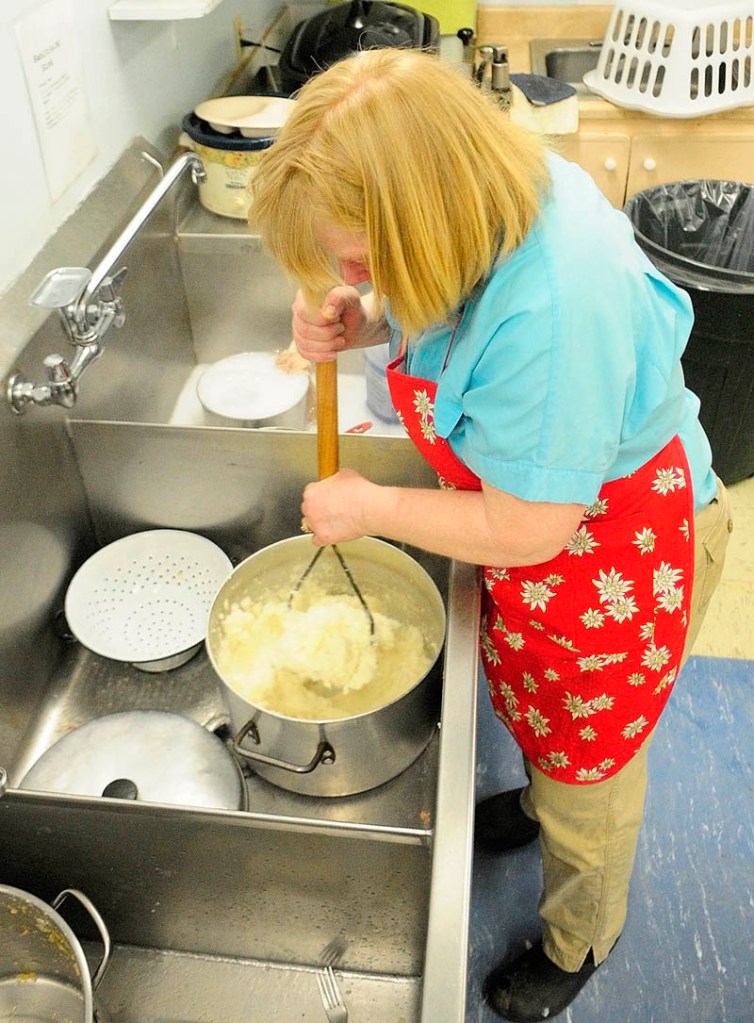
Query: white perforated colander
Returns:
{"type": "Point", "coordinates": [677, 58]}
{"type": "Point", "coordinates": [146, 598]}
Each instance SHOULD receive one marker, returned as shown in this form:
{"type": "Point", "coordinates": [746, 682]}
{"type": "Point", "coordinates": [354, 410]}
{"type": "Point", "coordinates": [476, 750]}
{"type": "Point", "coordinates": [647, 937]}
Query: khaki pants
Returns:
{"type": "Point", "coordinates": [589, 833]}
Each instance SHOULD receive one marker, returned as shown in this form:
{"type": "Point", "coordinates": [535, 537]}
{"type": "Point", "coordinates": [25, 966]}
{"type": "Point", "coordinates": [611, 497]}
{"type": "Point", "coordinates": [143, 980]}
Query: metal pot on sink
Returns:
{"type": "Point", "coordinates": [44, 974]}
{"type": "Point", "coordinates": [336, 756]}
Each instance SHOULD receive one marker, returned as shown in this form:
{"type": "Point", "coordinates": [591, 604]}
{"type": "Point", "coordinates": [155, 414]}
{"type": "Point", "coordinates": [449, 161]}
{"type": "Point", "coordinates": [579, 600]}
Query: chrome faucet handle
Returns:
{"type": "Point", "coordinates": [58, 370]}
{"type": "Point", "coordinates": [62, 382]}
{"type": "Point", "coordinates": [60, 389]}
{"type": "Point", "coordinates": [61, 287]}
{"type": "Point", "coordinates": [108, 309]}
{"type": "Point", "coordinates": [110, 287]}
{"type": "Point", "coordinates": [65, 288]}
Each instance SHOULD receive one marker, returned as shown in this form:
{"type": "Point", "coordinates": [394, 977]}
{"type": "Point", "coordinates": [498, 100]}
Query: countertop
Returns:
{"type": "Point", "coordinates": [515, 27]}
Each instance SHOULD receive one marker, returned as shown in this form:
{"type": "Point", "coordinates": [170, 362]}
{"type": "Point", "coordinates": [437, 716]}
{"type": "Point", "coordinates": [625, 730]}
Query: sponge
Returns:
{"type": "Point", "coordinates": [544, 105]}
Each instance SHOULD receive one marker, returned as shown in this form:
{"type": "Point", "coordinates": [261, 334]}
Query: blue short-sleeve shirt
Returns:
{"type": "Point", "coordinates": [564, 372]}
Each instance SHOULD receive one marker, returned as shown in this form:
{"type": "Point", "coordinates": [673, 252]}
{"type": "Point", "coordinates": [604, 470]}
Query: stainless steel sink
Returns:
{"type": "Point", "coordinates": [566, 60]}
{"type": "Point", "coordinates": [213, 914]}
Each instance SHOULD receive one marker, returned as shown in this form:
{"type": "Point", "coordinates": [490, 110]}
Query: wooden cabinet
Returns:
{"type": "Point", "coordinates": [656, 159]}
{"type": "Point", "coordinates": [628, 156]}
{"type": "Point", "coordinates": [605, 155]}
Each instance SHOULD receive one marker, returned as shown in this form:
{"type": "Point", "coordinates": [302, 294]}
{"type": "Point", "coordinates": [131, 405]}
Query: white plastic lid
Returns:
{"type": "Point", "coordinates": [250, 387]}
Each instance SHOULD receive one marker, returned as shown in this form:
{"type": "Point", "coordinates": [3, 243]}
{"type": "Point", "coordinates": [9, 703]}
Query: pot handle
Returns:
{"type": "Point", "coordinates": [324, 753]}
{"type": "Point", "coordinates": [100, 923]}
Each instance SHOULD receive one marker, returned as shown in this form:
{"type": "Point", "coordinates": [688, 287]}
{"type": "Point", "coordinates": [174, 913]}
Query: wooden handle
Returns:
{"type": "Point", "coordinates": [327, 418]}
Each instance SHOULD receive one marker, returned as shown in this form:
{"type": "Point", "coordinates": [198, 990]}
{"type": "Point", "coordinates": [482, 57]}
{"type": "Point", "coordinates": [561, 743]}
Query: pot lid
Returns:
{"type": "Point", "coordinates": [252, 116]}
{"type": "Point", "coordinates": [148, 755]}
{"type": "Point", "coordinates": [201, 131]}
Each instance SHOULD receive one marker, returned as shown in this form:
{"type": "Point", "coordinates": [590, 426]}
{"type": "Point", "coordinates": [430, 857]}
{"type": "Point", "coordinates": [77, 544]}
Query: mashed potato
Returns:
{"type": "Point", "coordinates": [318, 660]}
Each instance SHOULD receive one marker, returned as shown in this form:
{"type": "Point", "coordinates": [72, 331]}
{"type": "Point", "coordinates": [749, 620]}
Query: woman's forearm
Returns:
{"type": "Point", "coordinates": [474, 526]}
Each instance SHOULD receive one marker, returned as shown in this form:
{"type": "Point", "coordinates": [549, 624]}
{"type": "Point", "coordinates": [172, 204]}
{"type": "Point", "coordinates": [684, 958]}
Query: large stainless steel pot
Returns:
{"type": "Point", "coordinates": [44, 975]}
{"type": "Point", "coordinates": [353, 754]}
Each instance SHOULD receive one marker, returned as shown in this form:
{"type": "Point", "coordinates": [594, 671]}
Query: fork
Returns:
{"type": "Point", "coordinates": [332, 1000]}
{"type": "Point", "coordinates": [333, 952]}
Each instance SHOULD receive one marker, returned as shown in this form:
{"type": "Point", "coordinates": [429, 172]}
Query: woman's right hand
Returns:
{"type": "Point", "coordinates": [338, 324]}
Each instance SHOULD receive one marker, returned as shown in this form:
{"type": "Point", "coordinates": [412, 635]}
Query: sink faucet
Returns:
{"type": "Point", "coordinates": [89, 303]}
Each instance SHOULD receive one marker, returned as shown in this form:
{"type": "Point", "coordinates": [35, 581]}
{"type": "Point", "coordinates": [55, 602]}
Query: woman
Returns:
{"type": "Point", "coordinates": [536, 367]}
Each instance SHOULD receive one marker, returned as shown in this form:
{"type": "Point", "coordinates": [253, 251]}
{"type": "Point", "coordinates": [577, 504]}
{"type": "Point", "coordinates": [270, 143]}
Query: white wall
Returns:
{"type": "Point", "coordinates": [140, 79]}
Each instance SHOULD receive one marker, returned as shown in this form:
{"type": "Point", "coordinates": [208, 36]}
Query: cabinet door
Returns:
{"type": "Point", "coordinates": [658, 158]}
{"type": "Point", "coordinates": [605, 156]}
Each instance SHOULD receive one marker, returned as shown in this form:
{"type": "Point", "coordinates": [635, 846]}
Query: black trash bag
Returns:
{"type": "Point", "coordinates": [699, 233]}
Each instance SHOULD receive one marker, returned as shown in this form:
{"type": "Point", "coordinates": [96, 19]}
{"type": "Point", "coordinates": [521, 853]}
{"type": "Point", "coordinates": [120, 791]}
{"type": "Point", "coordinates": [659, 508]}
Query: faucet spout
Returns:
{"type": "Point", "coordinates": [187, 161]}
{"type": "Point", "coordinates": [89, 303]}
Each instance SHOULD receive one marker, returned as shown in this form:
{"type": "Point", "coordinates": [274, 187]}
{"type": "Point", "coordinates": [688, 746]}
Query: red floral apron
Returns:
{"type": "Point", "coordinates": [581, 653]}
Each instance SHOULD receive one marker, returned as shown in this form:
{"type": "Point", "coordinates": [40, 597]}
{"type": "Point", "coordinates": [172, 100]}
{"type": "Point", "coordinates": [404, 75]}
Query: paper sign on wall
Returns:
{"type": "Point", "coordinates": [52, 66]}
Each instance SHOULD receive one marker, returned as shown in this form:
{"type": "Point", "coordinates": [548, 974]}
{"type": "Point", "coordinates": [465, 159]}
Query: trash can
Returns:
{"type": "Point", "coordinates": [700, 234]}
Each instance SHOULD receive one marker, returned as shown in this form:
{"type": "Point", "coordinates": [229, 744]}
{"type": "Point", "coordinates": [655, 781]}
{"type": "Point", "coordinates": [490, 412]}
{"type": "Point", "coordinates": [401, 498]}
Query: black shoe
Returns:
{"type": "Point", "coordinates": [533, 988]}
{"type": "Point", "coordinates": [500, 824]}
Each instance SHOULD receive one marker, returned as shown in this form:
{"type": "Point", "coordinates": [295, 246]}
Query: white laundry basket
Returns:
{"type": "Point", "coordinates": [677, 58]}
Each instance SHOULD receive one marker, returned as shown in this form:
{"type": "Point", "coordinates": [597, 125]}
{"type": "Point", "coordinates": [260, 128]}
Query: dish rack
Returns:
{"type": "Point", "coordinates": [677, 58]}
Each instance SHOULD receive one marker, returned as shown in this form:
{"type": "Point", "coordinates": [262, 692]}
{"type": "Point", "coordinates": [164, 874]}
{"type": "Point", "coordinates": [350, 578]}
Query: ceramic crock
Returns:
{"type": "Point", "coordinates": [229, 162]}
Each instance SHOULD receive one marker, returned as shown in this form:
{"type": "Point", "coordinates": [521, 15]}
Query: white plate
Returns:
{"type": "Point", "coordinates": [250, 387]}
{"type": "Point", "coordinates": [253, 116]}
{"type": "Point", "coordinates": [146, 596]}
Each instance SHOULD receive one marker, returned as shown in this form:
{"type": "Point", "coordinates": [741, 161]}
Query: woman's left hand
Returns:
{"type": "Point", "coordinates": [333, 509]}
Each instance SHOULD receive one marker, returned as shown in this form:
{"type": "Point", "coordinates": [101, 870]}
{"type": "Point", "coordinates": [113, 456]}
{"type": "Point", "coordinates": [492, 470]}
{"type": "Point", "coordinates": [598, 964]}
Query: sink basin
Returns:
{"type": "Point", "coordinates": [566, 60]}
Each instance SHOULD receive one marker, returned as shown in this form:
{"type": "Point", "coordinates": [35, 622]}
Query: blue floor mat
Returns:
{"type": "Point", "coordinates": [687, 951]}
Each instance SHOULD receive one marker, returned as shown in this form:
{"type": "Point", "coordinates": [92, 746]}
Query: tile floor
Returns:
{"type": "Point", "coordinates": [687, 952]}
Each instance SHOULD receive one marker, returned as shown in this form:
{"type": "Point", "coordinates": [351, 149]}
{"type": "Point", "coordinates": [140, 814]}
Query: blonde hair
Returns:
{"type": "Point", "coordinates": [396, 144]}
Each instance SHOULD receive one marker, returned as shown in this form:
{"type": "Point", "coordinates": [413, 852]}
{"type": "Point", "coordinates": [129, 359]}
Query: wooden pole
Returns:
{"type": "Point", "coordinates": [327, 418]}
